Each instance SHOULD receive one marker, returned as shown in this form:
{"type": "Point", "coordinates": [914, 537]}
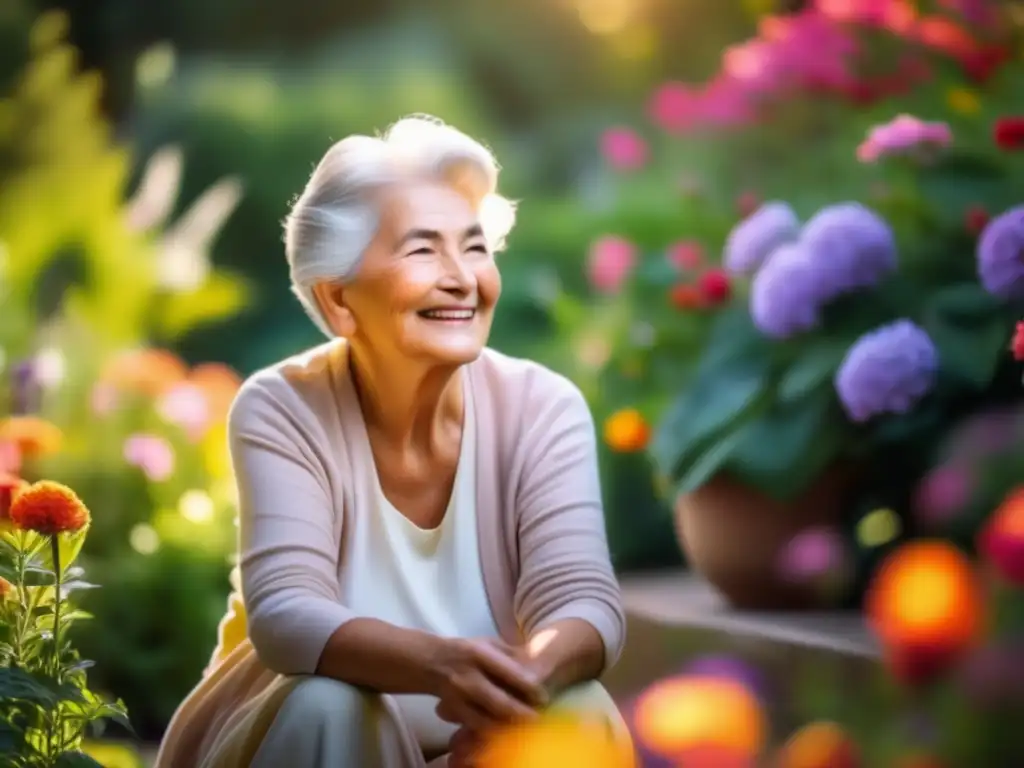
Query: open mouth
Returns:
{"type": "Point", "coordinates": [448, 315]}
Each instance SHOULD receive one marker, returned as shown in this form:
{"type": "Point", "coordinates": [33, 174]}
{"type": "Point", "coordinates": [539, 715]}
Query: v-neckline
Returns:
{"type": "Point", "coordinates": [363, 436]}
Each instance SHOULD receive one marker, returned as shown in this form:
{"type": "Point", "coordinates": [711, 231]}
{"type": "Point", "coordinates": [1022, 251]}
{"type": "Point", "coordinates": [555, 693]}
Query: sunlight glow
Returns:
{"type": "Point", "coordinates": [144, 539]}
{"type": "Point", "coordinates": [605, 17]}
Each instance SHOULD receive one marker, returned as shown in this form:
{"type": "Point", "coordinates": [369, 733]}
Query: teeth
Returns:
{"type": "Point", "coordinates": [448, 314]}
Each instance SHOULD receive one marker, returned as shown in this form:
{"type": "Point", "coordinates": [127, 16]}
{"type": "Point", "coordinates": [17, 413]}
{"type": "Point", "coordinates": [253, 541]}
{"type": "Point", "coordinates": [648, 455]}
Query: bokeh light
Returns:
{"type": "Point", "coordinates": [144, 539]}
{"type": "Point", "coordinates": [821, 744]}
{"type": "Point", "coordinates": [927, 607]}
{"type": "Point", "coordinates": [687, 713]}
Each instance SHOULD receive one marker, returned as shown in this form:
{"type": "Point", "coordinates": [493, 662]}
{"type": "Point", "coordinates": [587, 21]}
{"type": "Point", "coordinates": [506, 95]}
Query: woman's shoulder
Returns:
{"type": "Point", "coordinates": [298, 386]}
{"type": "Point", "coordinates": [519, 388]}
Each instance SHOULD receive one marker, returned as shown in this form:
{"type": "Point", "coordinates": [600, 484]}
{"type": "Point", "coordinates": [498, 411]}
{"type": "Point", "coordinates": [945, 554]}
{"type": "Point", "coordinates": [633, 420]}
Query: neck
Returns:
{"type": "Point", "coordinates": [409, 404]}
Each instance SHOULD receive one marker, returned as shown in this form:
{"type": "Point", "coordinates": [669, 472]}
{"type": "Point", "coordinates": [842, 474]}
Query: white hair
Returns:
{"type": "Point", "coordinates": [334, 219]}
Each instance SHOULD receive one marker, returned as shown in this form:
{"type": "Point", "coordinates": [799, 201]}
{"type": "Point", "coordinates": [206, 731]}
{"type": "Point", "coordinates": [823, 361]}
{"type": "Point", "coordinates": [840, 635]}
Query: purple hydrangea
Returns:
{"type": "Point", "coordinates": [887, 370]}
{"type": "Point", "coordinates": [852, 247]}
{"type": "Point", "coordinates": [1001, 255]}
{"type": "Point", "coordinates": [752, 241]}
{"type": "Point", "coordinates": [784, 296]}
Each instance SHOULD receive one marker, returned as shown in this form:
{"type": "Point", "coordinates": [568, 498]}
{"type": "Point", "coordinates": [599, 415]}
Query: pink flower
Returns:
{"type": "Point", "coordinates": [894, 15]}
{"type": "Point", "coordinates": [688, 254]}
{"type": "Point", "coordinates": [903, 135]}
{"type": "Point", "coordinates": [609, 263]}
{"type": "Point", "coordinates": [185, 406]}
{"type": "Point", "coordinates": [942, 493]}
{"type": "Point", "coordinates": [673, 107]}
{"type": "Point", "coordinates": [103, 399]}
{"type": "Point", "coordinates": [150, 453]}
{"type": "Point", "coordinates": [811, 554]}
{"type": "Point", "coordinates": [623, 149]}
{"type": "Point", "coordinates": [10, 457]}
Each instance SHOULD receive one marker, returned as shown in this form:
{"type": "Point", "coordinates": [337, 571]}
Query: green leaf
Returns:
{"type": "Point", "coordinates": [19, 685]}
{"type": "Point", "coordinates": [970, 331]}
{"type": "Point", "coordinates": [813, 368]}
{"type": "Point", "coordinates": [708, 463]}
{"type": "Point", "coordinates": [784, 449]}
{"type": "Point", "coordinates": [716, 398]}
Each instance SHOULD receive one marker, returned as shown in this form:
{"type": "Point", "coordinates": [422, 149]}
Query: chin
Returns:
{"type": "Point", "coordinates": [450, 354]}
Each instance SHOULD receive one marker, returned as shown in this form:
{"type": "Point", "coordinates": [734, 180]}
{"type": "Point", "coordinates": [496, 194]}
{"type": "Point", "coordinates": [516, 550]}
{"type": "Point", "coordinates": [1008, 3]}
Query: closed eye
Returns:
{"type": "Point", "coordinates": [424, 251]}
{"type": "Point", "coordinates": [478, 248]}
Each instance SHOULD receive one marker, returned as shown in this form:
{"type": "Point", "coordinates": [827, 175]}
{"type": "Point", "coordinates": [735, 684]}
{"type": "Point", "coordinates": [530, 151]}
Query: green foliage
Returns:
{"type": "Point", "coordinates": [47, 705]}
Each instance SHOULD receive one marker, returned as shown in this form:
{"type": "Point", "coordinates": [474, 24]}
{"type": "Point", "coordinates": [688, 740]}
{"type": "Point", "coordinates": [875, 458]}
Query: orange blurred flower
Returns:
{"type": "Point", "coordinates": [945, 35]}
{"type": "Point", "coordinates": [219, 384]}
{"type": "Point", "coordinates": [6, 588]}
{"type": "Point", "coordinates": [555, 742]}
{"type": "Point", "coordinates": [819, 745]}
{"type": "Point", "coordinates": [145, 371]}
{"type": "Point", "coordinates": [686, 296]}
{"type": "Point", "coordinates": [31, 435]}
{"type": "Point", "coordinates": [10, 456]}
{"type": "Point", "coordinates": [49, 508]}
{"type": "Point", "coordinates": [1001, 540]}
{"type": "Point", "coordinates": [685, 715]}
{"type": "Point", "coordinates": [927, 606]}
{"type": "Point", "coordinates": [626, 431]}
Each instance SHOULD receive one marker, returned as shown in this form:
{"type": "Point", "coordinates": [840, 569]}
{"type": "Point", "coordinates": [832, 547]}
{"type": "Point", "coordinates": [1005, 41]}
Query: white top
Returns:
{"type": "Point", "coordinates": [427, 579]}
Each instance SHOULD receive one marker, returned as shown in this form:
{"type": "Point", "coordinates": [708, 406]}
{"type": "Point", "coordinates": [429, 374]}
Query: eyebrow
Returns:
{"type": "Point", "coordinates": [433, 235]}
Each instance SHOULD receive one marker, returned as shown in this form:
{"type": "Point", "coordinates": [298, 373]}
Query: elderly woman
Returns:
{"type": "Point", "coordinates": [423, 555]}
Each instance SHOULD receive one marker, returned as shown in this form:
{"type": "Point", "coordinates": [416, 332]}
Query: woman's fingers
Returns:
{"type": "Point", "coordinates": [496, 702]}
{"type": "Point", "coordinates": [510, 674]}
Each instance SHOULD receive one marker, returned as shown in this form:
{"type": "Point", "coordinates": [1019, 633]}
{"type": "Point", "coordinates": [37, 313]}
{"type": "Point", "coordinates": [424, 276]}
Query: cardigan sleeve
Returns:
{"type": "Point", "coordinates": [565, 568]}
{"type": "Point", "coordinates": [288, 545]}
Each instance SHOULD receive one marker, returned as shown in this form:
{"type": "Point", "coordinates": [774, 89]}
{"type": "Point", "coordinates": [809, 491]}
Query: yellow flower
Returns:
{"type": "Point", "coordinates": [963, 101]}
{"type": "Point", "coordinates": [555, 742]}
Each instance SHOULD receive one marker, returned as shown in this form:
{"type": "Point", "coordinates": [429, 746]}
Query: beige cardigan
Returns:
{"type": "Point", "coordinates": [304, 469]}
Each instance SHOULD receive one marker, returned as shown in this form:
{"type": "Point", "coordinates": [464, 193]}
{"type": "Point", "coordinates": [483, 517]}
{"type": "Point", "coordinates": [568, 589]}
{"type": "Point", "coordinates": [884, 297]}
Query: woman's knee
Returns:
{"type": "Point", "coordinates": [319, 699]}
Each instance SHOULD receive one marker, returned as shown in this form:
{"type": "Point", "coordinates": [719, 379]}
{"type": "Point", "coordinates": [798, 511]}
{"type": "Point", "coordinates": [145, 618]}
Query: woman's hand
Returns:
{"type": "Point", "coordinates": [483, 683]}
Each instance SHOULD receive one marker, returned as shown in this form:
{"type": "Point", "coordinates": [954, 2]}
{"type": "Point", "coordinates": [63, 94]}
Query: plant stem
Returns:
{"type": "Point", "coordinates": [55, 723]}
{"type": "Point", "coordinates": [57, 585]}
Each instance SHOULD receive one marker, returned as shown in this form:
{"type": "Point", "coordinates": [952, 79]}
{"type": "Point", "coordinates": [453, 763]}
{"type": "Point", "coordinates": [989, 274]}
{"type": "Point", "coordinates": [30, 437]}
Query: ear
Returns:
{"type": "Point", "coordinates": [330, 298]}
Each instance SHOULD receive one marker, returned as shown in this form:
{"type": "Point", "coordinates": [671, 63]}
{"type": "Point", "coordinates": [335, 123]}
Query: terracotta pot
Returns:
{"type": "Point", "coordinates": [733, 536]}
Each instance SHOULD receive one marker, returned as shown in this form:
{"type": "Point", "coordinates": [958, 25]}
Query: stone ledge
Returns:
{"type": "Point", "coordinates": [679, 598]}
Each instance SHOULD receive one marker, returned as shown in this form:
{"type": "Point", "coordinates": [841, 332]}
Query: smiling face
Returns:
{"type": "Point", "coordinates": [427, 285]}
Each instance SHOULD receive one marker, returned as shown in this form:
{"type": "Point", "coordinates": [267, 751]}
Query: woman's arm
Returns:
{"type": "Point", "coordinates": [567, 599]}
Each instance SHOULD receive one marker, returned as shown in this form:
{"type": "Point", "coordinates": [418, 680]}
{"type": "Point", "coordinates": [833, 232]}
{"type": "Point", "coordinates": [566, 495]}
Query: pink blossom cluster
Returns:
{"type": "Point", "coordinates": [904, 135]}
{"type": "Point", "coordinates": [820, 49]}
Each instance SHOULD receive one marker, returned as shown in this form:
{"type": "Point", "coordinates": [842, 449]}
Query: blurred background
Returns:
{"type": "Point", "coordinates": [149, 153]}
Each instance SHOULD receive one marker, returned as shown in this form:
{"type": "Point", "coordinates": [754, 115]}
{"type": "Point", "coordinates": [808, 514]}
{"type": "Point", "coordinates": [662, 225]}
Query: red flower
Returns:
{"type": "Point", "coordinates": [981, 65]}
{"type": "Point", "coordinates": [49, 508]}
{"type": "Point", "coordinates": [1017, 345]}
{"type": "Point", "coordinates": [714, 286]}
{"type": "Point", "coordinates": [975, 219]}
{"type": "Point", "coordinates": [747, 203]}
{"type": "Point", "coordinates": [686, 296]}
{"type": "Point", "coordinates": [1009, 133]}
{"type": "Point", "coordinates": [1001, 541]}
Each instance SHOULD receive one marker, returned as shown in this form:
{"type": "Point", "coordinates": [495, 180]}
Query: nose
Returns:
{"type": "Point", "coordinates": [458, 278]}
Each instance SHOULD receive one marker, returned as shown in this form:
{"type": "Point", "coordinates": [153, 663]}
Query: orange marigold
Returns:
{"type": "Point", "coordinates": [32, 435]}
{"type": "Point", "coordinates": [6, 588]}
{"type": "Point", "coordinates": [49, 508]}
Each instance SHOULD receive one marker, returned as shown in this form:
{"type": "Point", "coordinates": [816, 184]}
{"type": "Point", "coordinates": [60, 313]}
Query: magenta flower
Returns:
{"type": "Point", "coordinates": [610, 262]}
{"type": "Point", "coordinates": [942, 494]}
{"type": "Point", "coordinates": [150, 453]}
{"type": "Point", "coordinates": [902, 136]}
{"type": "Point", "coordinates": [673, 107]}
{"type": "Point", "coordinates": [623, 149]}
{"type": "Point", "coordinates": [812, 554]}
